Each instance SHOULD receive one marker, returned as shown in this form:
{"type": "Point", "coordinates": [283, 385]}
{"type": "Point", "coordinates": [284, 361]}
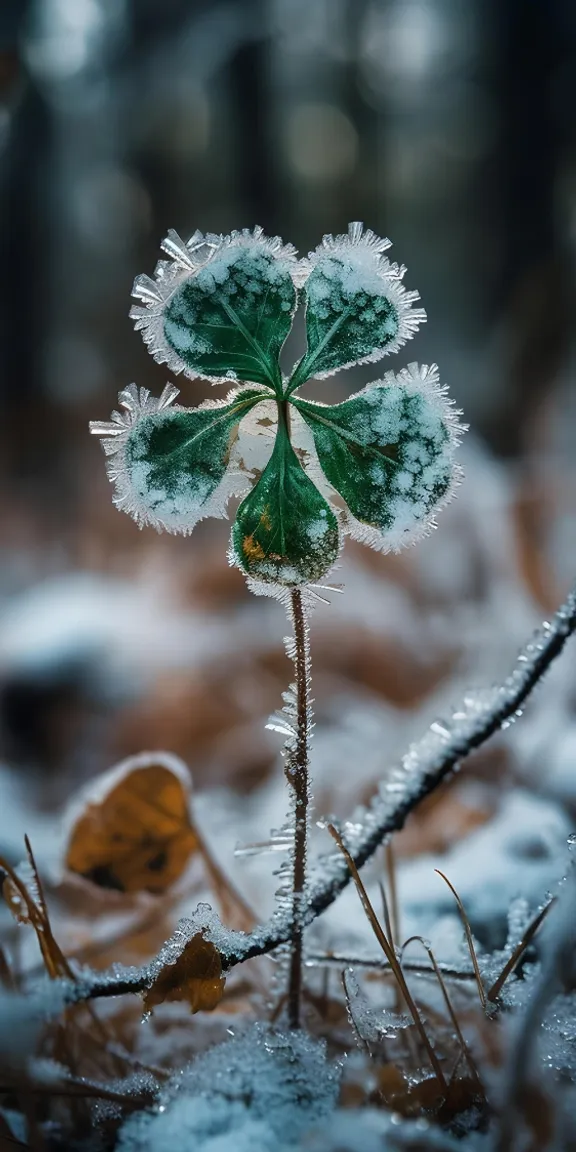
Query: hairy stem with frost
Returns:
{"type": "Point", "coordinates": [297, 776]}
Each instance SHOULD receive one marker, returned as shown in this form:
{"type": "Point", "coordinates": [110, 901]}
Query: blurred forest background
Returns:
{"type": "Point", "coordinates": [446, 124]}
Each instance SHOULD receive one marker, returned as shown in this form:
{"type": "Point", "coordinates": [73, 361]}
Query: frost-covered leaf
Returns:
{"type": "Point", "coordinates": [196, 976]}
{"type": "Point", "coordinates": [356, 307]}
{"type": "Point", "coordinates": [132, 830]}
{"type": "Point", "coordinates": [388, 451]}
{"type": "Point", "coordinates": [171, 465]}
{"type": "Point", "coordinates": [222, 308]}
{"type": "Point", "coordinates": [284, 531]}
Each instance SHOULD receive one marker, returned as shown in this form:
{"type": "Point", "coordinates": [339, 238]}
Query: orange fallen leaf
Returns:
{"type": "Point", "coordinates": [196, 976]}
{"type": "Point", "coordinates": [133, 831]}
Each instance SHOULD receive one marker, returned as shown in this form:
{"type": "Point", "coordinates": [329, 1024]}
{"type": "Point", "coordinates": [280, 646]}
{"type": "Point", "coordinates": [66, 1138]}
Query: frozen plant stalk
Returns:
{"type": "Point", "coordinates": [376, 467]}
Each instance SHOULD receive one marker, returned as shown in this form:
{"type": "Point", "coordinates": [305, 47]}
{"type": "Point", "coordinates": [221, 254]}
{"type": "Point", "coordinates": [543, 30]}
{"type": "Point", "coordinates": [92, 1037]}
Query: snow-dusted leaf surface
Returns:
{"type": "Point", "coordinates": [356, 306]}
{"type": "Point", "coordinates": [388, 451]}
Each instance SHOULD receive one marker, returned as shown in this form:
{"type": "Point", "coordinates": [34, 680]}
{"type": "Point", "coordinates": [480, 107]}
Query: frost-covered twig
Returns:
{"type": "Point", "coordinates": [424, 767]}
{"type": "Point", "coordinates": [342, 960]}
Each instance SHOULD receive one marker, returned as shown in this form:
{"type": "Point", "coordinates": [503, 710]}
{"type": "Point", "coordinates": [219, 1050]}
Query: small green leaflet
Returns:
{"type": "Point", "coordinates": [175, 459]}
{"type": "Point", "coordinates": [232, 317]}
{"type": "Point", "coordinates": [387, 451]}
{"type": "Point", "coordinates": [284, 531]}
{"type": "Point", "coordinates": [350, 315]}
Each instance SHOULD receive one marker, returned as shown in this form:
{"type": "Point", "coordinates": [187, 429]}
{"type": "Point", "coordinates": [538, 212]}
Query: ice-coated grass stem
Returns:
{"type": "Point", "coordinates": [297, 776]}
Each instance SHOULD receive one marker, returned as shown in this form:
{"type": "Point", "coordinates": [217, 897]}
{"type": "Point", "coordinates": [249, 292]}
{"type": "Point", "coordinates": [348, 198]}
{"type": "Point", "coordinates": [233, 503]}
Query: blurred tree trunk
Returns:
{"type": "Point", "coordinates": [533, 296]}
{"type": "Point", "coordinates": [24, 210]}
{"type": "Point", "coordinates": [250, 84]}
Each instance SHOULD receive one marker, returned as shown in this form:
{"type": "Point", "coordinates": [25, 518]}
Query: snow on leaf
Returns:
{"type": "Point", "coordinates": [195, 976]}
{"type": "Point", "coordinates": [285, 532]}
{"type": "Point", "coordinates": [132, 830]}
{"type": "Point", "coordinates": [357, 309]}
{"type": "Point", "coordinates": [173, 466]}
{"type": "Point", "coordinates": [388, 451]}
{"type": "Point", "coordinates": [222, 307]}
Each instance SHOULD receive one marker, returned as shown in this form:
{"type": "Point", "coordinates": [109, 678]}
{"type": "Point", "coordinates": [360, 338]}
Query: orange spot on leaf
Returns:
{"type": "Point", "coordinates": [252, 549]}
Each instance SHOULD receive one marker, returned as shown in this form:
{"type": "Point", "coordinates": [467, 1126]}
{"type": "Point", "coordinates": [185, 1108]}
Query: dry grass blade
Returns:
{"type": "Point", "coordinates": [392, 938]}
{"type": "Point", "coordinates": [55, 962]}
{"type": "Point", "coordinates": [13, 885]}
{"type": "Point", "coordinates": [469, 939]}
{"type": "Point", "coordinates": [386, 913]}
{"type": "Point", "coordinates": [390, 956]}
{"type": "Point", "coordinates": [519, 951]}
{"type": "Point", "coordinates": [36, 875]}
{"type": "Point", "coordinates": [391, 878]}
{"type": "Point", "coordinates": [449, 1008]}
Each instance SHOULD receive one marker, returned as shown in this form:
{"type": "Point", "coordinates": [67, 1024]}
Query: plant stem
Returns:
{"type": "Point", "coordinates": [297, 776]}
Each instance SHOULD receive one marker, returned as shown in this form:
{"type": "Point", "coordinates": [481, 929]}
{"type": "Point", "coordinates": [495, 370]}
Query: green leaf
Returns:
{"type": "Point", "coordinates": [284, 531]}
{"type": "Point", "coordinates": [388, 450]}
{"type": "Point", "coordinates": [232, 316]}
{"type": "Point", "coordinates": [174, 466]}
{"type": "Point", "coordinates": [356, 307]}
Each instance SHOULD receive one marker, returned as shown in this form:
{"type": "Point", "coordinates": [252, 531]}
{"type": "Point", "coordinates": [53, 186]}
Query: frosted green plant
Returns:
{"type": "Point", "coordinates": [376, 467]}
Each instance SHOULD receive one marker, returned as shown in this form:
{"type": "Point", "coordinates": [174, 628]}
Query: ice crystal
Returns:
{"type": "Point", "coordinates": [376, 467]}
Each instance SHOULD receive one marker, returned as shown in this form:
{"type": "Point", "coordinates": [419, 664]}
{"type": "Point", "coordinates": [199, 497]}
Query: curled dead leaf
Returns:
{"type": "Point", "coordinates": [133, 831]}
{"type": "Point", "coordinates": [196, 976]}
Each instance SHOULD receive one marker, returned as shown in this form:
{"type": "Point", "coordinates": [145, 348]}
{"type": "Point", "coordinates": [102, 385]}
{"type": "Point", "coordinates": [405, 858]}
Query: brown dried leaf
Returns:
{"type": "Point", "coordinates": [196, 976]}
{"type": "Point", "coordinates": [135, 833]}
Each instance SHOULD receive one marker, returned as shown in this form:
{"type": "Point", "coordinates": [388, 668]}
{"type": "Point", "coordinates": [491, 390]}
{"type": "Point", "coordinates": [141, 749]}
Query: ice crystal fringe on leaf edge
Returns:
{"type": "Point", "coordinates": [366, 243]}
{"type": "Point", "coordinates": [186, 260]}
{"type": "Point", "coordinates": [138, 403]}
